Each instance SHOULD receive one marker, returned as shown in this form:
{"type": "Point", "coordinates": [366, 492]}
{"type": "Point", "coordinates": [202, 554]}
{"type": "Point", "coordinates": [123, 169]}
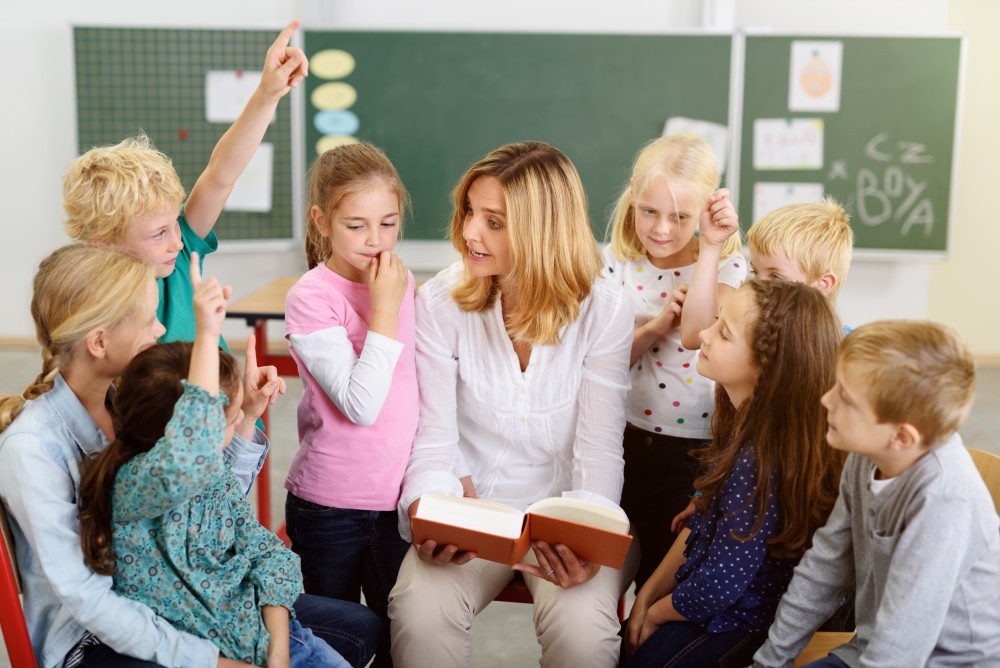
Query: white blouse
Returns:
{"type": "Point", "coordinates": [555, 429]}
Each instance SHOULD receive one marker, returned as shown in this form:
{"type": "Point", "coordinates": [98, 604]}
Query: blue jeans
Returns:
{"type": "Point", "coordinates": [307, 651]}
{"type": "Point", "coordinates": [688, 645]}
{"type": "Point", "coordinates": [345, 552]}
{"type": "Point", "coordinates": [829, 661]}
{"type": "Point", "coordinates": [349, 628]}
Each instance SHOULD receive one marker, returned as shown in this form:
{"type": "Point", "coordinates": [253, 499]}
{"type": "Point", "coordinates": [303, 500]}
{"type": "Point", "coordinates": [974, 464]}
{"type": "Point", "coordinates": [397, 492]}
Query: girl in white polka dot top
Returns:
{"type": "Point", "coordinates": [768, 480]}
{"type": "Point", "coordinates": [656, 255]}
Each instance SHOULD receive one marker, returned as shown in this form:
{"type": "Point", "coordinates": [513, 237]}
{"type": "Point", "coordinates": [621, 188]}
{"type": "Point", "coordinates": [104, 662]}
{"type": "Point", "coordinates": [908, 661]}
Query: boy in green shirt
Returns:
{"type": "Point", "coordinates": [129, 194]}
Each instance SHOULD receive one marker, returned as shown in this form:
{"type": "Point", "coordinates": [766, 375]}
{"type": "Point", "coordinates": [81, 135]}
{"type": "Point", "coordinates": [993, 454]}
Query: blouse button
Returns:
{"type": "Point", "coordinates": [648, 440]}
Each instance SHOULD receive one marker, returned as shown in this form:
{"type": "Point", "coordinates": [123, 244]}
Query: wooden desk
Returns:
{"type": "Point", "coordinates": [257, 308]}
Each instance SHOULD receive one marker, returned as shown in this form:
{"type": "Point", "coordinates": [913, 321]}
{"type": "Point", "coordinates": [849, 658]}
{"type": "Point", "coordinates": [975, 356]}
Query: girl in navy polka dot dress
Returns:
{"type": "Point", "coordinates": [655, 254]}
{"type": "Point", "coordinates": [163, 513]}
{"type": "Point", "coordinates": [767, 482]}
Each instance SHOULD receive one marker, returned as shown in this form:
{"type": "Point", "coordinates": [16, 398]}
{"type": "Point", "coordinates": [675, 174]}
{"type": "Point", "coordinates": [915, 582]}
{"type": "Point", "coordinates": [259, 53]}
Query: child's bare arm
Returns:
{"type": "Point", "coordinates": [665, 322]}
{"type": "Point", "coordinates": [209, 310]}
{"type": "Point", "coordinates": [276, 621]}
{"type": "Point", "coordinates": [284, 68]}
{"type": "Point", "coordinates": [706, 295]}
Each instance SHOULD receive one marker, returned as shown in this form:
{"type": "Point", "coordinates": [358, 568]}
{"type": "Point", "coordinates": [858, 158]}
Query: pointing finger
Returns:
{"type": "Point", "coordinates": [286, 35]}
{"type": "Point", "coordinates": [250, 366]}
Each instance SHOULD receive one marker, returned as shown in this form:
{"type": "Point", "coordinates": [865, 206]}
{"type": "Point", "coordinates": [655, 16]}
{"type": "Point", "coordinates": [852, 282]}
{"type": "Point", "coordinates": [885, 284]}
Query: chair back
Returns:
{"type": "Point", "coordinates": [989, 467]}
{"type": "Point", "coordinates": [15, 631]}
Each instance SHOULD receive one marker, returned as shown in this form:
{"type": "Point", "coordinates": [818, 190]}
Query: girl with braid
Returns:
{"type": "Point", "coordinates": [767, 482]}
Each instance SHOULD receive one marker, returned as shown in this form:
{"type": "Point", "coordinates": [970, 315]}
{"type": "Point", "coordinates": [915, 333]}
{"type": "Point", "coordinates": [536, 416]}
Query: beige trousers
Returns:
{"type": "Point", "coordinates": [431, 610]}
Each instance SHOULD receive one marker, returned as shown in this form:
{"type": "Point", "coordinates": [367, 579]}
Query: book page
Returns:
{"type": "Point", "coordinates": [581, 512]}
{"type": "Point", "coordinates": [474, 514]}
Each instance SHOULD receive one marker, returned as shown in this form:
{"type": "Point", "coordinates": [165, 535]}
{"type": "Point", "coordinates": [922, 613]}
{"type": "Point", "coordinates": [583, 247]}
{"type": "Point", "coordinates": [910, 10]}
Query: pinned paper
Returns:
{"type": "Point", "coordinates": [814, 78]}
{"type": "Point", "coordinates": [226, 93]}
{"type": "Point", "coordinates": [788, 143]}
{"type": "Point", "coordinates": [713, 134]}
{"type": "Point", "coordinates": [252, 191]}
{"type": "Point", "coordinates": [770, 196]}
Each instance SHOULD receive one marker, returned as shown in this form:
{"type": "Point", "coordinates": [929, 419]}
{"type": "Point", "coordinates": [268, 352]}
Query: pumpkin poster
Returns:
{"type": "Point", "coordinates": [814, 78]}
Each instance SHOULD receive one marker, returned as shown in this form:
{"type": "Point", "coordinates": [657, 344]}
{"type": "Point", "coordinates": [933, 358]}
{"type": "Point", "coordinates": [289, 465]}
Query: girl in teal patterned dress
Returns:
{"type": "Point", "coordinates": [163, 514]}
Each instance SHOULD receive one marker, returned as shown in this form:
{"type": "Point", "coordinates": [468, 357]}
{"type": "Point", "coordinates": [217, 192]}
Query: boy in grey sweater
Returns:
{"type": "Point", "coordinates": [914, 527]}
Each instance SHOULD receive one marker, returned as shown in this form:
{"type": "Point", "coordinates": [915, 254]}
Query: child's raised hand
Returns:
{"type": "Point", "coordinates": [387, 282]}
{"type": "Point", "coordinates": [284, 66]}
{"type": "Point", "coordinates": [210, 299]}
{"type": "Point", "coordinates": [261, 385]}
{"type": "Point", "coordinates": [718, 220]}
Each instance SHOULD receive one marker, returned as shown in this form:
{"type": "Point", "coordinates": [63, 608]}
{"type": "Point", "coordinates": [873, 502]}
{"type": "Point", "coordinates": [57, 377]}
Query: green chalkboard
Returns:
{"type": "Point", "coordinates": [437, 102]}
{"type": "Point", "coordinates": [887, 150]}
{"type": "Point", "coordinates": [154, 79]}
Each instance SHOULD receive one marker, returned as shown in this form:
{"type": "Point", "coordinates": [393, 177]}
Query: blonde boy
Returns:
{"type": "Point", "coordinates": [914, 527]}
{"type": "Point", "coordinates": [129, 194]}
{"type": "Point", "coordinates": [805, 243]}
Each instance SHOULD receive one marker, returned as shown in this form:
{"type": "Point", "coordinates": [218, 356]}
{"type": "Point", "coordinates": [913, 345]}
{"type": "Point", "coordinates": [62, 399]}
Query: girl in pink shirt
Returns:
{"type": "Point", "coordinates": [350, 327]}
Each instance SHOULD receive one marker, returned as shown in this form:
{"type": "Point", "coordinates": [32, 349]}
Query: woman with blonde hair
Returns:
{"type": "Point", "coordinates": [522, 361]}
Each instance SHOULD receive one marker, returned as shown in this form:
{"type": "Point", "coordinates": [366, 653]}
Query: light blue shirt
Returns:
{"type": "Point", "coordinates": [40, 455]}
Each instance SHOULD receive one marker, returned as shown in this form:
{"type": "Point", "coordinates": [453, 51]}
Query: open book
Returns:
{"type": "Point", "coordinates": [503, 534]}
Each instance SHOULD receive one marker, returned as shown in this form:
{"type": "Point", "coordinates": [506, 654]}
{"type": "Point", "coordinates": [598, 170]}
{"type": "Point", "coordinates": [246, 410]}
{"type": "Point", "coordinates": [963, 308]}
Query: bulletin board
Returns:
{"type": "Point", "coordinates": [438, 102]}
{"type": "Point", "coordinates": [887, 149]}
{"type": "Point", "coordinates": [129, 79]}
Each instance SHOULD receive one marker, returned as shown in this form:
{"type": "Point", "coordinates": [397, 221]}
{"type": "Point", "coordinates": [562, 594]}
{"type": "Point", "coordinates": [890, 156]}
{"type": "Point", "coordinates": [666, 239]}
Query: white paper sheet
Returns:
{"type": "Point", "coordinates": [771, 196]}
{"type": "Point", "coordinates": [788, 143]}
{"type": "Point", "coordinates": [227, 92]}
{"type": "Point", "coordinates": [814, 77]}
{"type": "Point", "coordinates": [252, 191]}
{"type": "Point", "coordinates": [713, 134]}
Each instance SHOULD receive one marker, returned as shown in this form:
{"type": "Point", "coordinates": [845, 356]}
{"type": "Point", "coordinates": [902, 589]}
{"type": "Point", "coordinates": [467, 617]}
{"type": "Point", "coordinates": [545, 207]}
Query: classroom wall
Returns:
{"type": "Point", "coordinates": [962, 293]}
{"type": "Point", "coordinates": [38, 133]}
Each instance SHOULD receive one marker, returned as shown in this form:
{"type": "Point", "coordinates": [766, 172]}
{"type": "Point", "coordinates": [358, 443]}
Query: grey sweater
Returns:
{"type": "Point", "coordinates": [925, 554]}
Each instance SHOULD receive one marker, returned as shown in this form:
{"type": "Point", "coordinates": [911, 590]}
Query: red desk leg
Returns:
{"type": "Point", "coordinates": [264, 477]}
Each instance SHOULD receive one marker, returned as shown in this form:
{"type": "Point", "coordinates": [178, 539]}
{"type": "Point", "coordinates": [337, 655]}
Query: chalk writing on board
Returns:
{"type": "Point", "coordinates": [890, 191]}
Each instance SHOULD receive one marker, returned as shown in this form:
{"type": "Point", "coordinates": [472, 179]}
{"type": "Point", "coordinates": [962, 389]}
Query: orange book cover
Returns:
{"type": "Point", "coordinates": [589, 543]}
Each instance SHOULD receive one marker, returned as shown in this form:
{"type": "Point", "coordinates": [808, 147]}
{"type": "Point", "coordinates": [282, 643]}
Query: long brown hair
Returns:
{"type": "Point", "coordinates": [554, 254]}
{"type": "Point", "coordinates": [144, 403]}
{"type": "Point", "coordinates": [794, 343]}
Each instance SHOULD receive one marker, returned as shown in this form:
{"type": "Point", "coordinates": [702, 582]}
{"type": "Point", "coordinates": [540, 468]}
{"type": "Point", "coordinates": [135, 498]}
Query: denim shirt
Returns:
{"type": "Point", "coordinates": [40, 455]}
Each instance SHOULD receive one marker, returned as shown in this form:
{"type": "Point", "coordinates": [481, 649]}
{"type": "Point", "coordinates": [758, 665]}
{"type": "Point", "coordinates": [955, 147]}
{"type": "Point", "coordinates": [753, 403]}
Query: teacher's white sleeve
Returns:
{"type": "Point", "coordinates": [435, 447]}
{"type": "Point", "coordinates": [598, 462]}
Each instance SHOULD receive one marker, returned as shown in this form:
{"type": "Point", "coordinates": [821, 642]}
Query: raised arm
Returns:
{"type": "Point", "coordinates": [186, 459]}
{"type": "Point", "coordinates": [284, 68]}
{"type": "Point", "coordinates": [706, 295]}
{"type": "Point", "coordinates": [41, 499]}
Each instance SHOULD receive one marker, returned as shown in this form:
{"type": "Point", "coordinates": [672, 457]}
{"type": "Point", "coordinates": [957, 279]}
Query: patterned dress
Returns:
{"type": "Point", "coordinates": [187, 542]}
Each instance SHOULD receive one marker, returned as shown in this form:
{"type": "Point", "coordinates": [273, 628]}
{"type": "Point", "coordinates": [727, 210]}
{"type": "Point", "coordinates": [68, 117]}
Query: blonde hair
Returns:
{"type": "Point", "coordinates": [917, 372]}
{"type": "Point", "coordinates": [554, 256]}
{"type": "Point", "coordinates": [816, 235]}
{"type": "Point", "coordinates": [108, 187]}
{"type": "Point", "coordinates": [339, 172]}
{"type": "Point", "coordinates": [78, 288]}
{"type": "Point", "coordinates": [679, 157]}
